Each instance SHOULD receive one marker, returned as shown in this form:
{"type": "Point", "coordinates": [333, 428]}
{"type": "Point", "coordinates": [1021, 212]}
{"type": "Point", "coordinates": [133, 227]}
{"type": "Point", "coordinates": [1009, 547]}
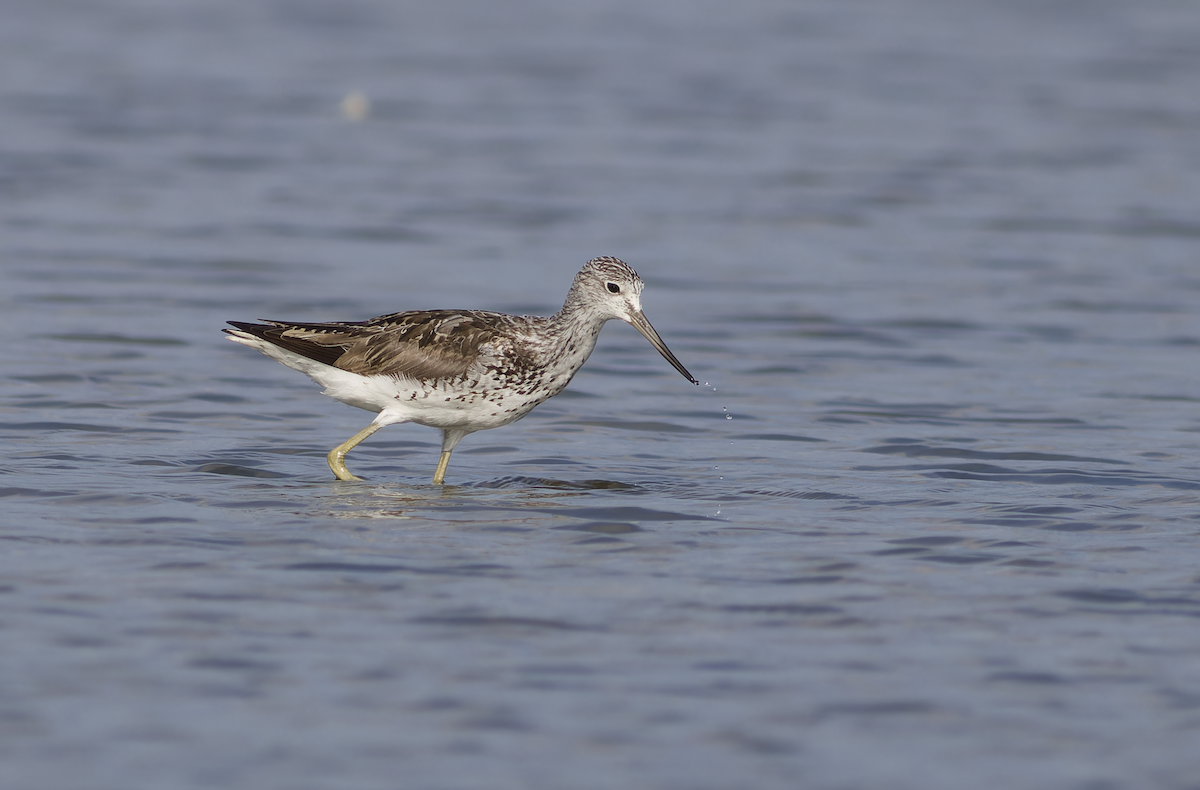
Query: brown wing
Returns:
{"type": "Point", "coordinates": [428, 344]}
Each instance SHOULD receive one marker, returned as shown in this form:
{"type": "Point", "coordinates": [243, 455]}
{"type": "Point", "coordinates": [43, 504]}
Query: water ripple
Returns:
{"type": "Point", "coordinates": [919, 450]}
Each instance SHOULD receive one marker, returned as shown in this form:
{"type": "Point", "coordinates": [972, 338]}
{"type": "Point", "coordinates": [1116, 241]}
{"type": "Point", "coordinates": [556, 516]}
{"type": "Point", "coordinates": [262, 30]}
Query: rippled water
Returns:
{"type": "Point", "coordinates": [933, 521]}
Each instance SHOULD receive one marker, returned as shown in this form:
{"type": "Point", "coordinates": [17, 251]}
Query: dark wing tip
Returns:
{"type": "Point", "coordinates": [273, 333]}
{"type": "Point", "coordinates": [258, 330]}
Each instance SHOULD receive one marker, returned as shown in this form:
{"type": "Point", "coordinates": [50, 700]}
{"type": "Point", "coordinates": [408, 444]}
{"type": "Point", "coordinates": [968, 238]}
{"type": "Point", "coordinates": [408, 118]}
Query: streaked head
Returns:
{"type": "Point", "coordinates": [611, 287]}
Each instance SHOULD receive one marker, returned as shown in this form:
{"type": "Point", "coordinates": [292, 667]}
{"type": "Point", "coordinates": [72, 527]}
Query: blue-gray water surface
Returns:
{"type": "Point", "coordinates": [932, 520]}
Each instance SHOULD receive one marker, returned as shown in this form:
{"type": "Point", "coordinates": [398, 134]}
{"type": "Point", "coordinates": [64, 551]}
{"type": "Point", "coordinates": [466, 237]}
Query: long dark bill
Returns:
{"type": "Point", "coordinates": [642, 325]}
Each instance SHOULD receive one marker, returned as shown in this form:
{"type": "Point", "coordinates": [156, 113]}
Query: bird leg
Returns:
{"type": "Point", "coordinates": [439, 474]}
{"type": "Point", "coordinates": [450, 439]}
{"type": "Point", "coordinates": [337, 455]}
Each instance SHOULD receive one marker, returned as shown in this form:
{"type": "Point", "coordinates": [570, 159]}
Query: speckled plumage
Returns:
{"type": "Point", "coordinates": [458, 370]}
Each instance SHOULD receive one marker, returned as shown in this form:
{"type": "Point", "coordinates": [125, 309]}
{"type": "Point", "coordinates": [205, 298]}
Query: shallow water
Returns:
{"type": "Point", "coordinates": [932, 520]}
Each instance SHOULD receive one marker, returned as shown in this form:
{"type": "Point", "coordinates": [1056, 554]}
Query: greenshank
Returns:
{"type": "Point", "coordinates": [457, 370]}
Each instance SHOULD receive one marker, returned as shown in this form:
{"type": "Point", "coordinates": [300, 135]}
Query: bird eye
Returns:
{"type": "Point", "coordinates": [613, 288]}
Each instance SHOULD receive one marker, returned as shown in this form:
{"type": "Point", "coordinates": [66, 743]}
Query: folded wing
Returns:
{"type": "Point", "coordinates": [424, 345]}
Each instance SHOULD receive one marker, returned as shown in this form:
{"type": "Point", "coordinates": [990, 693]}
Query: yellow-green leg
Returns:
{"type": "Point", "coordinates": [439, 474]}
{"type": "Point", "coordinates": [450, 439]}
{"type": "Point", "coordinates": [337, 455]}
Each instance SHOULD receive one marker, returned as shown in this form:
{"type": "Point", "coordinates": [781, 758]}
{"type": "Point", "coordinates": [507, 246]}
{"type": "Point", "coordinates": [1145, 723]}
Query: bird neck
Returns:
{"type": "Point", "coordinates": [578, 314]}
{"type": "Point", "coordinates": [573, 329]}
